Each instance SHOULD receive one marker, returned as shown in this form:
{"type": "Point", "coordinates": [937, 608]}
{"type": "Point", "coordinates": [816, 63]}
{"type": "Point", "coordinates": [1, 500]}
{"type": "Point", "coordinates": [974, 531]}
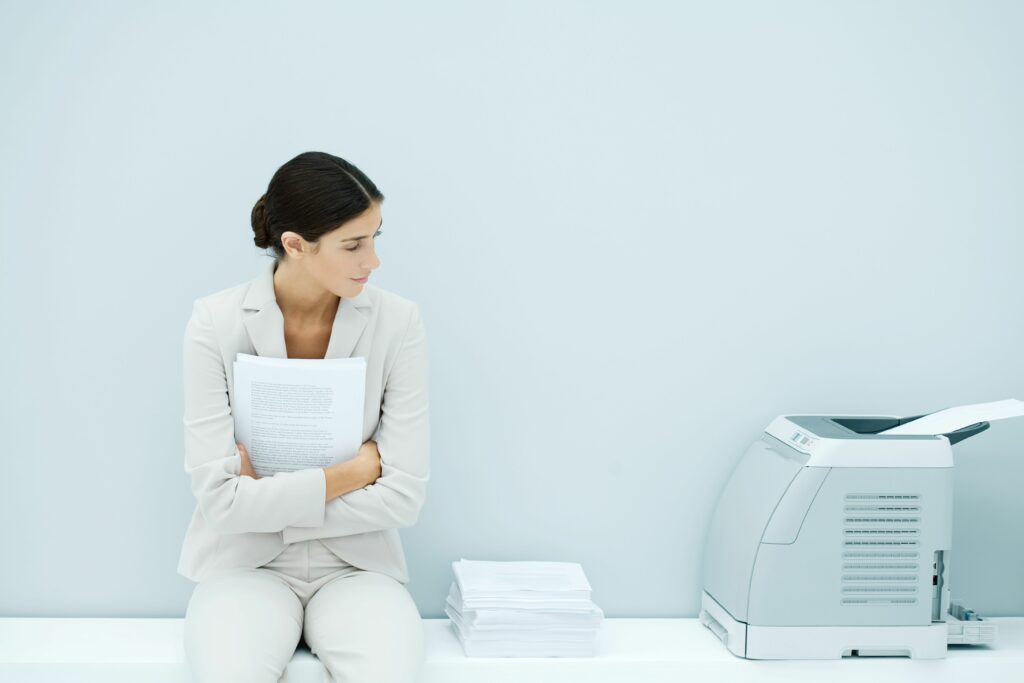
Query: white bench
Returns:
{"type": "Point", "coordinates": [630, 650]}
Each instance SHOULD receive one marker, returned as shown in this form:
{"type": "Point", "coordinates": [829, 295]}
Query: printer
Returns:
{"type": "Point", "coordinates": [832, 539]}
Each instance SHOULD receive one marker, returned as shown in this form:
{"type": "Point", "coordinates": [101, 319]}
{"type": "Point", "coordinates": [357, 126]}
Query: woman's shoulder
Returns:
{"type": "Point", "coordinates": [221, 302]}
{"type": "Point", "coordinates": [390, 307]}
{"type": "Point", "coordinates": [386, 299]}
{"type": "Point", "coordinates": [220, 312]}
{"type": "Point", "coordinates": [252, 293]}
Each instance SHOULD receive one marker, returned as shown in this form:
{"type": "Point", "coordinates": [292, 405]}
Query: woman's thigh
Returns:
{"type": "Point", "coordinates": [366, 627]}
{"type": "Point", "coordinates": [241, 626]}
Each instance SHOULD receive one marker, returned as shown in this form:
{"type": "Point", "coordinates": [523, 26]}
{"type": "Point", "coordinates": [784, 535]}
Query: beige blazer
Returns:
{"type": "Point", "coordinates": [245, 522]}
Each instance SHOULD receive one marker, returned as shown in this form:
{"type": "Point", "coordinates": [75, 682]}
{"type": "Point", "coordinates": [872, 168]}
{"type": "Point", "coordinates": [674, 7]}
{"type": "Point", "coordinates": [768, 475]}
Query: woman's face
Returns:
{"type": "Point", "coordinates": [348, 253]}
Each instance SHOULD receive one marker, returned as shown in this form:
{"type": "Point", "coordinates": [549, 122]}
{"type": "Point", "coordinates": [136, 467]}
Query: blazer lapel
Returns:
{"type": "Point", "coordinates": [264, 321]}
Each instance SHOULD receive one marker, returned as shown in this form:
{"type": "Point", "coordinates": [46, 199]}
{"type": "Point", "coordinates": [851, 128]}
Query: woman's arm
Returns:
{"type": "Point", "coordinates": [355, 473]}
{"type": "Point", "coordinates": [231, 503]}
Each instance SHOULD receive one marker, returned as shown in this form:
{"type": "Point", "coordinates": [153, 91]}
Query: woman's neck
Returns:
{"type": "Point", "coordinates": [302, 300]}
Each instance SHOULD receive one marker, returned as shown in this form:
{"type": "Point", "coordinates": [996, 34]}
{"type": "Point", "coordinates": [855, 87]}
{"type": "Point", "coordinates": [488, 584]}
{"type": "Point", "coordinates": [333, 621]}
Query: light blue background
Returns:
{"type": "Point", "coordinates": [637, 233]}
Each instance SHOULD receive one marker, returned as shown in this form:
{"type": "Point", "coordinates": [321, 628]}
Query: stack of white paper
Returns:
{"type": "Point", "coordinates": [296, 413]}
{"type": "Point", "coordinates": [523, 609]}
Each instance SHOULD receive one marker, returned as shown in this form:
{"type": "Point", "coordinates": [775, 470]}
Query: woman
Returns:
{"type": "Point", "coordinates": [313, 555]}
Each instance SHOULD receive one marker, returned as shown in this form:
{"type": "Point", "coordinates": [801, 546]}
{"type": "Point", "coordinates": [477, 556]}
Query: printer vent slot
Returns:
{"type": "Point", "coordinates": [883, 520]}
{"type": "Point", "coordinates": [880, 554]}
{"type": "Point", "coordinates": [879, 560]}
{"type": "Point", "coordinates": [883, 533]}
{"type": "Point", "coordinates": [885, 567]}
{"type": "Point", "coordinates": [875, 542]}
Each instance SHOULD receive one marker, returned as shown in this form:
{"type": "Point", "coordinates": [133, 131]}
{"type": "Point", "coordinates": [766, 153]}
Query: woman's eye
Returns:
{"type": "Point", "coordinates": [357, 245]}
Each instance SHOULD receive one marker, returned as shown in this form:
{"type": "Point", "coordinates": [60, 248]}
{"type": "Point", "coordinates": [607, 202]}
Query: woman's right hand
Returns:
{"type": "Point", "coordinates": [247, 468]}
{"type": "Point", "coordinates": [357, 472]}
{"type": "Point", "coordinates": [368, 458]}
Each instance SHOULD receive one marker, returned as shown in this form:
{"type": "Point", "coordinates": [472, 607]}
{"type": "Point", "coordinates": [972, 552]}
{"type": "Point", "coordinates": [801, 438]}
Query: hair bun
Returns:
{"type": "Point", "coordinates": [260, 224]}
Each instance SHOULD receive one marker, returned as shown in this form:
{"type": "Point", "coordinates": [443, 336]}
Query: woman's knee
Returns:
{"type": "Point", "coordinates": [366, 626]}
{"type": "Point", "coordinates": [241, 627]}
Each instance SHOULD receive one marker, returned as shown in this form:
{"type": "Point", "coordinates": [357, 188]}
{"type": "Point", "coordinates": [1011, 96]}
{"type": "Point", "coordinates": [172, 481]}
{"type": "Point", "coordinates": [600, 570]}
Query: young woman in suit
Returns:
{"type": "Point", "coordinates": [313, 555]}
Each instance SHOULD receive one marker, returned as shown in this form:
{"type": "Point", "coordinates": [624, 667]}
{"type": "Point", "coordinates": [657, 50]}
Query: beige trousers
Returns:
{"type": "Point", "coordinates": [243, 625]}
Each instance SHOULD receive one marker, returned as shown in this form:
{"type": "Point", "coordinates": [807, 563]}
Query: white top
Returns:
{"type": "Point", "coordinates": [650, 650]}
{"type": "Point", "coordinates": [862, 452]}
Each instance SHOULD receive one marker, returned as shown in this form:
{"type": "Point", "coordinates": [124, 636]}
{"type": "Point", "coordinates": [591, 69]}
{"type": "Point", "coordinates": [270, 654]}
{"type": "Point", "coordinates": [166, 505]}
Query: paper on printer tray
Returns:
{"type": "Point", "coordinates": [952, 419]}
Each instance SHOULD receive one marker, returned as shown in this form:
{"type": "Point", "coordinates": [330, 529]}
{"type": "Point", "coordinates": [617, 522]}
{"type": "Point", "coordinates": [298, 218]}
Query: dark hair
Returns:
{"type": "Point", "coordinates": [311, 195]}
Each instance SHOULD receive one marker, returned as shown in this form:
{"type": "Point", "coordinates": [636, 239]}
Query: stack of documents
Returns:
{"type": "Point", "coordinates": [295, 413]}
{"type": "Point", "coordinates": [523, 609]}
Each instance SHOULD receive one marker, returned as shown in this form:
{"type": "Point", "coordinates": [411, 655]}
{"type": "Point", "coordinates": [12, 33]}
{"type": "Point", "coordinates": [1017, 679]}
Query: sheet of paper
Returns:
{"type": "Point", "coordinates": [293, 414]}
{"type": "Point", "coordinates": [484, 577]}
{"type": "Point", "coordinates": [522, 613]}
{"type": "Point", "coordinates": [952, 419]}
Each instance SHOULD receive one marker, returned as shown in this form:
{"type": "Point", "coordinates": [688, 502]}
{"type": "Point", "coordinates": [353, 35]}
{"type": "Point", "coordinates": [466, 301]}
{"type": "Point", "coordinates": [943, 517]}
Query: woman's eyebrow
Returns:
{"type": "Point", "coordinates": [356, 239]}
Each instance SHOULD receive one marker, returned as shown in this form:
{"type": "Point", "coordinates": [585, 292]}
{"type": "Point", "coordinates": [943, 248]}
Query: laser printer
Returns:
{"type": "Point", "coordinates": [832, 539]}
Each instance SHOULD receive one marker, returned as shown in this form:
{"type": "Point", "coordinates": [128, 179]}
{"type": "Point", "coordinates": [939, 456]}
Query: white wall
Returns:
{"type": "Point", "coordinates": [637, 232]}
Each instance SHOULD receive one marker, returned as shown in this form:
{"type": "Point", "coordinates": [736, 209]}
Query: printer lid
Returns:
{"type": "Point", "coordinates": [855, 441]}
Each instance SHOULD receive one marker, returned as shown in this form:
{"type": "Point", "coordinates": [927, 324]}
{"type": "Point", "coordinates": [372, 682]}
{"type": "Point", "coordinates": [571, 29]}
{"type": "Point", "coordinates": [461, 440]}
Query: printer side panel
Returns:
{"type": "Point", "coordinates": [744, 508]}
{"type": "Point", "coordinates": [863, 555]}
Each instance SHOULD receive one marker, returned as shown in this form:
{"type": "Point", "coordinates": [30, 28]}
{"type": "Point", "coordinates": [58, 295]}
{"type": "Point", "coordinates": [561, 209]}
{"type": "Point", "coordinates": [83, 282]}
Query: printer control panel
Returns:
{"type": "Point", "coordinates": [802, 441]}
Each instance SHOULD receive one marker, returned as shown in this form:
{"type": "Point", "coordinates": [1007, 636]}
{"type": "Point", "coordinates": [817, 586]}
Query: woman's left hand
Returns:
{"type": "Point", "coordinates": [247, 469]}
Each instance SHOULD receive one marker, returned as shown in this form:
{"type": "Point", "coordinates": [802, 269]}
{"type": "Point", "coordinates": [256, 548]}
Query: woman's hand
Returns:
{"type": "Point", "coordinates": [368, 458]}
{"type": "Point", "coordinates": [247, 469]}
{"type": "Point", "coordinates": [357, 472]}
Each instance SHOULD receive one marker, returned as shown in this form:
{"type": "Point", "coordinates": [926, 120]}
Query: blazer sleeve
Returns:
{"type": "Point", "coordinates": [403, 440]}
{"type": "Point", "coordinates": [232, 503]}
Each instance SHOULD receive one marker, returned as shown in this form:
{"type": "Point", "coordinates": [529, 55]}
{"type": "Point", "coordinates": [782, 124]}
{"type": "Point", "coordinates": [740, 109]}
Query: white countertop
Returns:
{"type": "Point", "coordinates": [628, 650]}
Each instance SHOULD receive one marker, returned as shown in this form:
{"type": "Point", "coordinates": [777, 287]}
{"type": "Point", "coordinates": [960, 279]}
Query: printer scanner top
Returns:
{"type": "Point", "coordinates": [858, 441]}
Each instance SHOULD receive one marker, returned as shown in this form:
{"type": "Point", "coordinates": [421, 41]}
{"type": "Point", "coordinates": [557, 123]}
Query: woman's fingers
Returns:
{"type": "Point", "coordinates": [246, 465]}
